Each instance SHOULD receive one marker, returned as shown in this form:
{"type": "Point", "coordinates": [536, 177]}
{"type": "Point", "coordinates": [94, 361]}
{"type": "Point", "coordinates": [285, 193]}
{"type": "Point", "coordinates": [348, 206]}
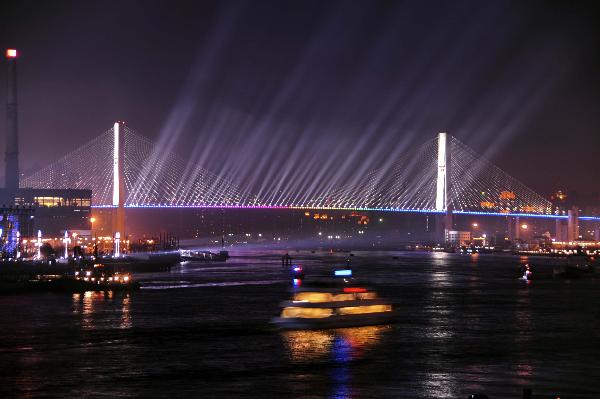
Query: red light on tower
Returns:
{"type": "Point", "coordinates": [11, 53]}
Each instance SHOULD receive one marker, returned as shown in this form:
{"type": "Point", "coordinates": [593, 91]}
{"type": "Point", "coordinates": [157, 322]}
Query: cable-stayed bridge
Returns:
{"type": "Point", "coordinates": [122, 167]}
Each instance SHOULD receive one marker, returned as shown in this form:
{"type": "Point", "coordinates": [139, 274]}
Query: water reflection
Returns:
{"type": "Point", "coordinates": [125, 316]}
{"type": "Point", "coordinates": [339, 347]}
{"type": "Point", "coordinates": [94, 307]}
{"type": "Point", "coordinates": [308, 345]}
{"type": "Point", "coordinates": [342, 345]}
{"type": "Point", "coordinates": [439, 385]}
{"type": "Point", "coordinates": [440, 275]}
{"type": "Point", "coordinates": [524, 337]}
{"type": "Point", "coordinates": [439, 258]}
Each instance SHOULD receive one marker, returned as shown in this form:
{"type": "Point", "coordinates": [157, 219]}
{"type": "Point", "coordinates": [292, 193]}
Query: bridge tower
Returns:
{"type": "Point", "coordinates": [560, 231]}
{"type": "Point", "coordinates": [441, 196]}
{"type": "Point", "coordinates": [118, 199]}
{"type": "Point", "coordinates": [573, 225]}
{"type": "Point", "coordinates": [444, 220]}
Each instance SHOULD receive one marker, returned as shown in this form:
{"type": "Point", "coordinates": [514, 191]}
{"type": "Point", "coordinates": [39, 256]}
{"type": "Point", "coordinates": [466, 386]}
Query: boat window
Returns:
{"type": "Point", "coordinates": [313, 297]}
{"type": "Point", "coordinates": [343, 297]}
{"type": "Point", "coordinates": [364, 309]}
{"type": "Point", "coordinates": [311, 313]}
{"type": "Point", "coordinates": [366, 295]}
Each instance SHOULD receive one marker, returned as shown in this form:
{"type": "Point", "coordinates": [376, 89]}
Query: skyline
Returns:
{"type": "Point", "coordinates": [339, 84]}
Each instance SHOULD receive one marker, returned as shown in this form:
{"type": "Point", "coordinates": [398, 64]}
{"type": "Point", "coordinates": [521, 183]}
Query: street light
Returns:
{"type": "Point", "coordinates": [475, 224]}
{"type": "Point", "coordinates": [92, 220]}
{"type": "Point", "coordinates": [524, 226]}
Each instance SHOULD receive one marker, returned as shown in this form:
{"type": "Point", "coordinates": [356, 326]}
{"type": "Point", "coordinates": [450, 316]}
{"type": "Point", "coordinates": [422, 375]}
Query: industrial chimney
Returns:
{"type": "Point", "coordinates": [12, 131]}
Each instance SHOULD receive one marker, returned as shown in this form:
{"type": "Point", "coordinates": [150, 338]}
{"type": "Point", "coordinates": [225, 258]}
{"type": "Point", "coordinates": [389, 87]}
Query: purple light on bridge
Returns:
{"type": "Point", "coordinates": [283, 207]}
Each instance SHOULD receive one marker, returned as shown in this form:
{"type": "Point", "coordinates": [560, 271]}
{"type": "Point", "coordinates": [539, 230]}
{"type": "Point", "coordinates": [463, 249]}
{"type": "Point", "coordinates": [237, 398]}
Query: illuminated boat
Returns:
{"type": "Point", "coordinates": [526, 272]}
{"type": "Point", "coordinates": [99, 278]}
{"type": "Point", "coordinates": [95, 279]}
{"type": "Point", "coordinates": [333, 303]}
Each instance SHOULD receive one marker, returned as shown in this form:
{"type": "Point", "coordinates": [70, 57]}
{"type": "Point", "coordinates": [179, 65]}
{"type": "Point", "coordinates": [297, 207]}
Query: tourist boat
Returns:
{"type": "Point", "coordinates": [332, 302]}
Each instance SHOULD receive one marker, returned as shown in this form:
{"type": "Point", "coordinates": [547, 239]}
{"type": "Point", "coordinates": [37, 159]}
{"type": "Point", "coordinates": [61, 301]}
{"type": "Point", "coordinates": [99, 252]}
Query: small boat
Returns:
{"type": "Point", "coordinates": [333, 302]}
{"type": "Point", "coordinates": [526, 273]}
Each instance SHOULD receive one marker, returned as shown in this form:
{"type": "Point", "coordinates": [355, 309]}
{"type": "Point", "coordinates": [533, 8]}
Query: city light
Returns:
{"type": "Point", "coordinates": [11, 53]}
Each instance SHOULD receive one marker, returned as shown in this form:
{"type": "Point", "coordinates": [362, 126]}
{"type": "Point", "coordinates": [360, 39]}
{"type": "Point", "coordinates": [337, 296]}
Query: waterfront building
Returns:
{"type": "Point", "coordinates": [53, 210]}
{"type": "Point", "coordinates": [458, 238]}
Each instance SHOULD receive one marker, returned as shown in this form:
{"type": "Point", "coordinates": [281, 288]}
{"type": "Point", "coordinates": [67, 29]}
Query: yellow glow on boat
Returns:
{"type": "Point", "coordinates": [309, 313]}
{"type": "Point", "coordinates": [366, 295]}
{"type": "Point", "coordinates": [364, 309]}
{"type": "Point", "coordinates": [343, 297]}
{"type": "Point", "coordinates": [313, 297]}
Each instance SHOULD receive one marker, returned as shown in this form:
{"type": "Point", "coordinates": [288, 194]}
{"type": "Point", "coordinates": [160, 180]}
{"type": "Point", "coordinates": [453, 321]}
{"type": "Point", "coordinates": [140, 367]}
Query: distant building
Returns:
{"type": "Point", "coordinates": [455, 237]}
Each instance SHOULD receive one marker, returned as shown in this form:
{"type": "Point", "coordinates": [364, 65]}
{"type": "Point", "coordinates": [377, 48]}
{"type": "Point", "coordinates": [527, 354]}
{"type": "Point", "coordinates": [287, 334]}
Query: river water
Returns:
{"type": "Point", "coordinates": [466, 324]}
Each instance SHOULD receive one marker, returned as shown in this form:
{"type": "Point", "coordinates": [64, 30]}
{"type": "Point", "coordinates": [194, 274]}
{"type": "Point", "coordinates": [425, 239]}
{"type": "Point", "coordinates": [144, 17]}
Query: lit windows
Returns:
{"type": "Point", "coordinates": [364, 309]}
{"type": "Point", "coordinates": [313, 297]}
{"type": "Point", "coordinates": [61, 201]}
{"type": "Point", "coordinates": [309, 313]}
{"type": "Point", "coordinates": [49, 201]}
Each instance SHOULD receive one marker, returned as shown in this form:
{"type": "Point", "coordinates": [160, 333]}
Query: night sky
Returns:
{"type": "Point", "coordinates": [517, 81]}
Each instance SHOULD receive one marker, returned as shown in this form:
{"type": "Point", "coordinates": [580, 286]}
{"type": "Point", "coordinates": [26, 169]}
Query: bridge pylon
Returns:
{"type": "Point", "coordinates": [444, 221]}
{"type": "Point", "coordinates": [441, 194]}
{"type": "Point", "coordinates": [118, 194]}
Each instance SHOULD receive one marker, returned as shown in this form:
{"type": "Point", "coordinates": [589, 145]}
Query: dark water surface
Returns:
{"type": "Point", "coordinates": [465, 325]}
